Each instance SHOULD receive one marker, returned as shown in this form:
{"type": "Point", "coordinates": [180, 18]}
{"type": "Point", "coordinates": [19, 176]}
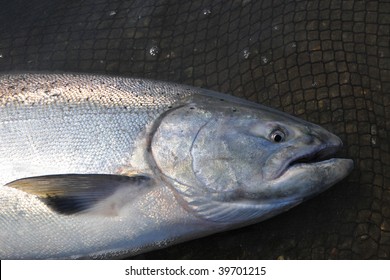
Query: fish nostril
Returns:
{"type": "Point", "coordinates": [310, 139]}
{"type": "Point", "coordinates": [322, 136]}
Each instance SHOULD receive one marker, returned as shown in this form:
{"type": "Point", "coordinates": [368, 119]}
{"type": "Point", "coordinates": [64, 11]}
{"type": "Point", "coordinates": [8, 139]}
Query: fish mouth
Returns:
{"type": "Point", "coordinates": [313, 157]}
{"type": "Point", "coordinates": [323, 154]}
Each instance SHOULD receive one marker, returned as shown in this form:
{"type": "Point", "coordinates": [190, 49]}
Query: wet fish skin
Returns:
{"type": "Point", "coordinates": [212, 162]}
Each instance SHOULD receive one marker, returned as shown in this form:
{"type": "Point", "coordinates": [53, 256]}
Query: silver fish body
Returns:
{"type": "Point", "coordinates": [97, 166]}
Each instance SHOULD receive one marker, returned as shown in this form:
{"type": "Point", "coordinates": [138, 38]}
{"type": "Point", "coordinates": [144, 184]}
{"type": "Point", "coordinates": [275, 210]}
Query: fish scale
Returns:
{"type": "Point", "coordinates": [95, 147]}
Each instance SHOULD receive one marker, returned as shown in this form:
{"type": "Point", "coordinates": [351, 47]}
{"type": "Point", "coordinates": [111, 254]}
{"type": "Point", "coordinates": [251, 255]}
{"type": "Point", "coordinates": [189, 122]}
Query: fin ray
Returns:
{"type": "Point", "coordinates": [83, 193]}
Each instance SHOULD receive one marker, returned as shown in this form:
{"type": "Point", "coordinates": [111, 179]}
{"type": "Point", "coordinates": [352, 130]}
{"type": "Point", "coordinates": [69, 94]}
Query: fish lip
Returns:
{"type": "Point", "coordinates": [323, 153]}
{"type": "Point", "coordinates": [317, 154]}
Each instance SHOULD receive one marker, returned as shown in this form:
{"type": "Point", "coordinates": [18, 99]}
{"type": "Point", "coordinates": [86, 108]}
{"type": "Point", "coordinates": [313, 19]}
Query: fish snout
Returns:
{"type": "Point", "coordinates": [314, 145]}
{"type": "Point", "coordinates": [325, 137]}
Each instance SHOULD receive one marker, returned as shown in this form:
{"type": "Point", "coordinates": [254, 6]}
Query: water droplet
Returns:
{"type": "Point", "coordinates": [154, 51]}
{"type": "Point", "coordinates": [314, 84]}
{"type": "Point", "coordinates": [206, 12]}
{"type": "Point", "coordinates": [373, 141]}
{"type": "Point", "coordinates": [112, 13]}
{"type": "Point", "coordinates": [364, 237]}
{"type": "Point", "coordinates": [276, 27]}
{"type": "Point", "coordinates": [1, 55]}
{"type": "Point", "coordinates": [373, 129]}
{"type": "Point", "coordinates": [293, 45]}
{"type": "Point", "coordinates": [245, 53]}
{"type": "Point", "coordinates": [264, 59]}
{"type": "Point", "coordinates": [101, 61]}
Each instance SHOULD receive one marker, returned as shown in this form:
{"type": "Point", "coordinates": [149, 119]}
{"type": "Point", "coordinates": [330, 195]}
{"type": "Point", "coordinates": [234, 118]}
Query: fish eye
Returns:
{"type": "Point", "coordinates": [277, 136]}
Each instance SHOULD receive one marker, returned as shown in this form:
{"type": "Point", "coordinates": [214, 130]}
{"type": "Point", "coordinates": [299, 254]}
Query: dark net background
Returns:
{"type": "Point", "coordinates": [325, 61]}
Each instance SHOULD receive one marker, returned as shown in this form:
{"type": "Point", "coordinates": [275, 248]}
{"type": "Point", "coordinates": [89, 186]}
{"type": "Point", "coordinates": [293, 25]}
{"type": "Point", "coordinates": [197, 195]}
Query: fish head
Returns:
{"type": "Point", "coordinates": [237, 162]}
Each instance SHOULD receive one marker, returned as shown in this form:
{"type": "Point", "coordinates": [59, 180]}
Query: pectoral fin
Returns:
{"type": "Point", "coordinates": [85, 193]}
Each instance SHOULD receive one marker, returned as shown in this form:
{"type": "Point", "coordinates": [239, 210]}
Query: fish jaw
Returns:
{"type": "Point", "coordinates": [304, 180]}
